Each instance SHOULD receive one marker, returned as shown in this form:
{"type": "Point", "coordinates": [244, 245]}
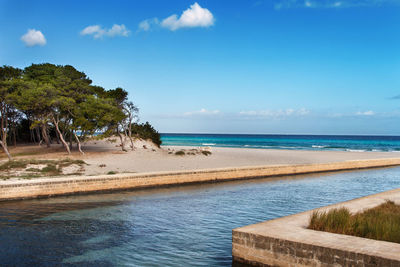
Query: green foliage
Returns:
{"type": "Point", "coordinates": [380, 223]}
{"type": "Point", "coordinates": [180, 153]}
{"type": "Point", "coordinates": [51, 169]}
{"type": "Point", "coordinates": [13, 164]}
{"type": "Point", "coordinates": [147, 132]}
{"type": "Point", "coordinates": [20, 164]}
{"type": "Point", "coordinates": [61, 102]}
{"type": "Point", "coordinates": [38, 168]}
{"type": "Point", "coordinates": [205, 152]}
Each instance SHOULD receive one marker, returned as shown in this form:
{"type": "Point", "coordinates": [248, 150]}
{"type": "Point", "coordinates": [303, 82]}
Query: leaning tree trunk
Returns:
{"type": "Point", "coordinates": [3, 141]}
{"type": "Point", "coordinates": [4, 146]}
{"type": "Point", "coordinates": [70, 140]}
{"type": "Point", "coordinates": [79, 144]}
{"type": "Point", "coordinates": [61, 136]}
{"type": "Point", "coordinates": [45, 136]}
{"type": "Point", "coordinates": [122, 141]}
{"type": "Point", "coordinates": [57, 138]}
{"type": "Point", "coordinates": [14, 134]}
{"type": "Point", "coordinates": [38, 135]}
{"type": "Point", "coordinates": [129, 135]}
{"type": "Point", "coordinates": [32, 136]}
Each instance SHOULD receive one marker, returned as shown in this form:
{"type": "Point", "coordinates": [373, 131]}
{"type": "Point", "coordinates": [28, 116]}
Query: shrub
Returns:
{"type": "Point", "coordinates": [205, 152]}
{"type": "Point", "coordinates": [180, 153]}
{"type": "Point", "coordinates": [147, 132]}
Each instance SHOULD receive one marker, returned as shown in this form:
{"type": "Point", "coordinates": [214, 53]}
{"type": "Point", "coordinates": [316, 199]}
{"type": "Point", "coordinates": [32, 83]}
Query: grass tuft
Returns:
{"type": "Point", "coordinates": [205, 152]}
{"type": "Point", "coordinates": [180, 153]}
{"type": "Point", "coordinates": [380, 223]}
{"type": "Point", "coordinates": [52, 167]}
{"type": "Point", "coordinates": [13, 164]}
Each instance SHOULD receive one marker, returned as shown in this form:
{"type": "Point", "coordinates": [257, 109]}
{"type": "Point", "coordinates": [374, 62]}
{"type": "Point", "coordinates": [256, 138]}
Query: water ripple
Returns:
{"type": "Point", "coordinates": [182, 226]}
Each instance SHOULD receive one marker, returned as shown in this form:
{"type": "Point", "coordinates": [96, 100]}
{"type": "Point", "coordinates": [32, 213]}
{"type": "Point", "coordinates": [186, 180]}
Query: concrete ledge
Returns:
{"type": "Point", "coordinates": [69, 185]}
{"type": "Point", "coordinates": [287, 242]}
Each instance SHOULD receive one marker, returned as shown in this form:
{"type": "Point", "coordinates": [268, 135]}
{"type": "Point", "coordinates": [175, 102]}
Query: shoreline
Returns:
{"type": "Point", "coordinates": [315, 148]}
{"type": "Point", "coordinates": [47, 187]}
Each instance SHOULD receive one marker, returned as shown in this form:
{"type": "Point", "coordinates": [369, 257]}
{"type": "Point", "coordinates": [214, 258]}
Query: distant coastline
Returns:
{"type": "Point", "coordinates": [351, 143]}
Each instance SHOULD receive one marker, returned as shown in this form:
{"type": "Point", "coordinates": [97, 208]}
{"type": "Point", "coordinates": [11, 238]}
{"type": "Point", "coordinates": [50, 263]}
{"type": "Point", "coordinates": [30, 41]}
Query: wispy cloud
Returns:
{"type": "Point", "coordinates": [201, 112]}
{"type": "Point", "coordinates": [281, 4]}
{"type": "Point", "coordinates": [282, 113]}
{"type": "Point", "coordinates": [33, 37]}
{"type": "Point", "coordinates": [365, 113]}
{"type": "Point", "coordinates": [289, 114]}
{"type": "Point", "coordinates": [194, 16]}
{"type": "Point", "coordinates": [99, 32]}
{"type": "Point", "coordinates": [147, 24]}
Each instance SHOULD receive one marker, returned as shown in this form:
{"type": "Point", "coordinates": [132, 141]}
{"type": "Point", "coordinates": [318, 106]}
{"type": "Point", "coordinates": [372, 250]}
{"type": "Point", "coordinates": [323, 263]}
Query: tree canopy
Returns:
{"type": "Point", "coordinates": [61, 103]}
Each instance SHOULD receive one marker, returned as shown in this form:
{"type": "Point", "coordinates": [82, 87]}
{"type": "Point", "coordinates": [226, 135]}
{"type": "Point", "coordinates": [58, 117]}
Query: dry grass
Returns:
{"type": "Point", "coordinates": [37, 168]}
{"type": "Point", "coordinates": [180, 153]}
{"type": "Point", "coordinates": [205, 152]}
{"type": "Point", "coordinates": [380, 223]}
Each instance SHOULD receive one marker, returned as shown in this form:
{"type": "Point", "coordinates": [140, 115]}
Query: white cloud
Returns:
{"type": "Point", "coordinates": [147, 24]}
{"type": "Point", "coordinates": [144, 25]}
{"type": "Point", "coordinates": [275, 113]}
{"type": "Point", "coordinates": [308, 4]}
{"type": "Point", "coordinates": [98, 32]}
{"type": "Point", "coordinates": [33, 37]}
{"type": "Point", "coordinates": [281, 4]}
{"type": "Point", "coordinates": [365, 113]}
{"type": "Point", "coordinates": [203, 112]}
{"type": "Point", "coordinates": [118, 30]}
{"type": "Point", "coordinates": [195, 16]}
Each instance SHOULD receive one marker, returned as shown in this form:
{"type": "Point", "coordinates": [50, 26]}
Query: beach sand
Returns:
{"type": "Point", "coordinates": [104, 156]}
{"type": "Point", "coordinates": [154, 159]}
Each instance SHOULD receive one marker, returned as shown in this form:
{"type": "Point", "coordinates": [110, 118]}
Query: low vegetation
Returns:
{"type": "Point", "coordinates": [380, 223]}
{"type": "Point", "coordinates": [205, 152]}
{"type": "Point", "coordinates": [147, 132]}
{"type": "Point", "coordinates": [190, 152]}
{"type": "Point", "coordinates": [38, 168]}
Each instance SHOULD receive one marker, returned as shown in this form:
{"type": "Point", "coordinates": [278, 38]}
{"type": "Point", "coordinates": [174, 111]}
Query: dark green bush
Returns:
{"type": "Point", "coordinates": [205, 152]}
{"type": "Point", "coordinates": [147, 132]}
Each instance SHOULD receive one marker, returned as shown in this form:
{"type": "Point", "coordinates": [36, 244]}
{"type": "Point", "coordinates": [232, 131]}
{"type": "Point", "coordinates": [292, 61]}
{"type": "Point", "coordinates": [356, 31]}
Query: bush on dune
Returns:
{"type": "Point", "coordinates": [147, 132]}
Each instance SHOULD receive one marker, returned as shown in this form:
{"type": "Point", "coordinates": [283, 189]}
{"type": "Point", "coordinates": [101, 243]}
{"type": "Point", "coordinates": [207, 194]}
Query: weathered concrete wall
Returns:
{"type": "Point", "coordinates": [287, 242]}
{"type": "Point", "coordinates": [58, 186]}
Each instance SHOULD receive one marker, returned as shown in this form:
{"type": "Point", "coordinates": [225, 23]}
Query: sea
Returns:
{"type": "Point", "coordinates": [355, 143]}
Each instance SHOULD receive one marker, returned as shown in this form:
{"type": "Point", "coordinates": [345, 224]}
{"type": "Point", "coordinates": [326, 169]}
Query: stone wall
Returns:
{"type": "Point", "coordinates": [68, 185]}
{"type": "Point", "coordinates": [280, 252]}
{"type": "Point", "coordinates": [287, 242]}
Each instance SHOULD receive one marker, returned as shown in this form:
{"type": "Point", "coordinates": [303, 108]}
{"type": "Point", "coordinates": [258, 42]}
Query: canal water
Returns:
{"type": "Point", "coordinates": [177, 226]}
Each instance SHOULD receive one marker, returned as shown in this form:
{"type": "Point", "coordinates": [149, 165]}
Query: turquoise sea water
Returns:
{"type": "Point", "coordinates": [302, 142]}
{"type": "Point", "coordinates": [178, 226]}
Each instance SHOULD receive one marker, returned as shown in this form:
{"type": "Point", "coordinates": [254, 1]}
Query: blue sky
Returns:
{"type": "Point", "coordinates": [272, 66]}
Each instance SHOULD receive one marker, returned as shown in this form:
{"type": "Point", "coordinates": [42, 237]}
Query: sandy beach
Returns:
{"type": "Point", "coordinates": [102, 157]}
{"type": "Point", "coordinates": [149, 161]}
